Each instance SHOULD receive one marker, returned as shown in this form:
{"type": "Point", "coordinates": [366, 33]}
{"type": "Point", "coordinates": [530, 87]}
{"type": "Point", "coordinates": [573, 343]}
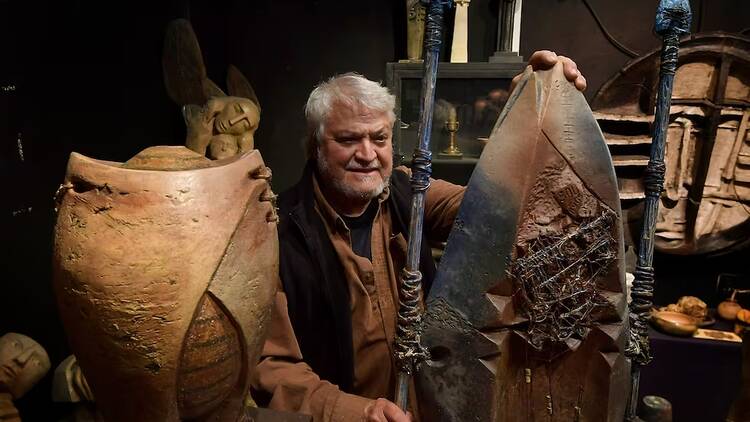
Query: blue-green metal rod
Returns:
{"type": "Point", "coordinates": [672, 21]}
{"type": "Point", "coordinates": [407, 349]}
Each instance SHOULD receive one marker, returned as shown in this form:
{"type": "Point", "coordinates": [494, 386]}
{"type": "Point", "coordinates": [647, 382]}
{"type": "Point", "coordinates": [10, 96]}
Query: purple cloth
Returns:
{"type": "Point", "coordinates": [701, 378]}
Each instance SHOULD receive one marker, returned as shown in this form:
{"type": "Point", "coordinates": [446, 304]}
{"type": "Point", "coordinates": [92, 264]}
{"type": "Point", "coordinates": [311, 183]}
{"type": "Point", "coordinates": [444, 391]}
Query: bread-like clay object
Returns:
{"type": "Point", "coordinates": [694, 307]}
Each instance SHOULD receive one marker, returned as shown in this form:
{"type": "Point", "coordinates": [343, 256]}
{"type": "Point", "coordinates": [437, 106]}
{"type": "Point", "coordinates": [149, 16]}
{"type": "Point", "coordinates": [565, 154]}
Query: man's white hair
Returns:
{"type": "Point", "coordinates": [350, 90]}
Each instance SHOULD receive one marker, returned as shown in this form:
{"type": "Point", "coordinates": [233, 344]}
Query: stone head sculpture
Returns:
{"type": "Point", "coordinates": [218, 125]}
{"type": "Point", "coordinates": [23, 362]}
{"type": "Point", "coordinates": [165, 267]}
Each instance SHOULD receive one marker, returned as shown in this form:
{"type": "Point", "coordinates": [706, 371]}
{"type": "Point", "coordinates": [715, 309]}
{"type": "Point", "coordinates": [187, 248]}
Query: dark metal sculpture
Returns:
{"type": "Point", "coordinates": [672, 21]}
{"type": "Point", "coordinates": [408, 351]}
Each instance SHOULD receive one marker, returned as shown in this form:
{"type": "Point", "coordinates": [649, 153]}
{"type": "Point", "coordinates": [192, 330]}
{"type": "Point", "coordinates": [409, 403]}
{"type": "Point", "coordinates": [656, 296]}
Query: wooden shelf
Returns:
{"type": "Point", "coordinates": [743, 159]}
{"type": "Point", "coordinates": [623, 117]}
{"type": "Point", "coordinates": [630, 160]}
{"type": "Point", "coordinates": [626, 140]}
{"type": "Point", "coordinates": [624, 196]}
{"type": "Point", "coordinates": [457, 161]}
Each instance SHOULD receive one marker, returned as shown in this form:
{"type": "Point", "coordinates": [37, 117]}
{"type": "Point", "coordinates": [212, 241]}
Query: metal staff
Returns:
{"type": "Point", "coordinates": [408, 351]}
{"type": "Point", "coordinates": [672, 21]}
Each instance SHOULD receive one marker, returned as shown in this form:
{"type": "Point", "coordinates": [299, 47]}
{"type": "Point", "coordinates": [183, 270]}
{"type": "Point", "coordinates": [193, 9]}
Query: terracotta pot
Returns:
{"type": "Point", "coordinates": [728, 310]}
{"type": "Point", "coordinates": [165, 269]}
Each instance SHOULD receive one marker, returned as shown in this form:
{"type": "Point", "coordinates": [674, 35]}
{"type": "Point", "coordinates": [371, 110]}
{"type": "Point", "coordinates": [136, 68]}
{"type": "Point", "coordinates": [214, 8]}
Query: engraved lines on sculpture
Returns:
{"type": "Point", "coordinates": [211, 361]}
{"type": "Point", "coordinates": [705, 206]}
{"type": "Point", "coordinates": [526, 317]}
{"type": "Point", "coordinates": [564, 244]}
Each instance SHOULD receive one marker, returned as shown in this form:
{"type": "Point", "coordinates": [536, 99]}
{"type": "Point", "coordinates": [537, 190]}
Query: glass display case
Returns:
{"type": "Point", "coordinates": [468, 100]}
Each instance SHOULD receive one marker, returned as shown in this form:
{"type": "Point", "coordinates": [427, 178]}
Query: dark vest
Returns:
{"type": "Point", "coordinates": [313, 278]}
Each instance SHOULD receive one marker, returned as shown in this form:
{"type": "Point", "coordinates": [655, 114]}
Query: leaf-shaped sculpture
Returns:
{"type": "Point", "coordinates": [238, 86]}
{"type": "Point", "coordinates": [526, 316]}
{"type": "Point", "coordinates": [182, 64]}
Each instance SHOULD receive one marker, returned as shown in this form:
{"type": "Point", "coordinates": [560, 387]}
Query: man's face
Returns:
{"type": "Point", "coordinates": [355, 154]}
{"type": "Point", "coordinates": [22, 364]}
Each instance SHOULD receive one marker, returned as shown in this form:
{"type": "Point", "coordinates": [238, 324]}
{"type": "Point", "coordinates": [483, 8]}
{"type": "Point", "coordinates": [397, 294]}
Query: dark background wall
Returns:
{"type": "Point", "coordinates": [87, 77]}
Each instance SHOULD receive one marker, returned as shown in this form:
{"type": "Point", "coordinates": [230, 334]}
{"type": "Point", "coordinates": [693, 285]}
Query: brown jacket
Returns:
{"type": "Point", "coordinates": [373, 293]}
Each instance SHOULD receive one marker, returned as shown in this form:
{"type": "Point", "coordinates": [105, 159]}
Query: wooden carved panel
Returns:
{"type": "Point", "coordinates": [705, 206]}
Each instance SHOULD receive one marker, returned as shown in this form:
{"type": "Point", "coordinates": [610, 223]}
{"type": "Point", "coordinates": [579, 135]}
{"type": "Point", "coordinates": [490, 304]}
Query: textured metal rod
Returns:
{"type": "Point", "coordinates": [407, 349]}
{"type": "Point", "coordinates": [672, 21]}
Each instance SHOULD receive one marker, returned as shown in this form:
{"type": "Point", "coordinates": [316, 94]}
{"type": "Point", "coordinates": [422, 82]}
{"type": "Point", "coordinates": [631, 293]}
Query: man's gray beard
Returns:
{"type": "Point", "coordinates": [343, 188]}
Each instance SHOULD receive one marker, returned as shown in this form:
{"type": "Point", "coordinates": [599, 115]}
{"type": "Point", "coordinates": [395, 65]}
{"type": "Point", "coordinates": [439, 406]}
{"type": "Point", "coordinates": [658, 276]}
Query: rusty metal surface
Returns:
{"type": "Point", "coordinates": [526, 317]}
{"type": "Point", "coordinates": [141, 256]}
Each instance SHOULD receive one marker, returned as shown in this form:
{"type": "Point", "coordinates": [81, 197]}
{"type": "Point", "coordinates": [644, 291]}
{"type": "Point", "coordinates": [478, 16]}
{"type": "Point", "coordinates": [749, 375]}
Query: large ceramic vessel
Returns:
{"type": "Point", "coordinates": [165, 268]}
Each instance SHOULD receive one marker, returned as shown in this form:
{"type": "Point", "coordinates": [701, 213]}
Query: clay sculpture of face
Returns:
{"type": "Point", "coordinates": [23, 362]}
{"type": "Point", "coordinates": [223, 127]}
{"type": "Point", "coordinates": [239, 115]}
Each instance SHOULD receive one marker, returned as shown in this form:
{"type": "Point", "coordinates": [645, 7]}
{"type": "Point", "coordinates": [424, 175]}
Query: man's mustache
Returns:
{"type": "Point", "coordinates": [355, 165]}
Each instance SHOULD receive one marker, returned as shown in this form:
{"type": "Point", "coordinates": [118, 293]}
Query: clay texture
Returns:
{"type": "Point", "coordinates": [165, 268]}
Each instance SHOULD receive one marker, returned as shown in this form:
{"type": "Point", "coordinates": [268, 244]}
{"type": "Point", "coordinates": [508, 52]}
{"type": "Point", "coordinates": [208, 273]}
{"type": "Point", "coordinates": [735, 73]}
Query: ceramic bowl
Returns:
{"type": "Point", "coordinates": [675, 323]}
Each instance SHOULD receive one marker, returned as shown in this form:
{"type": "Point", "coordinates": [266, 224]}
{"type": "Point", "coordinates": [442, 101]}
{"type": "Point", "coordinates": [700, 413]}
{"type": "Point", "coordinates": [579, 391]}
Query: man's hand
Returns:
{"type": "Point", "coordinates": [382, 410]}
{"type": "Point", "coordinates": [545, 59]}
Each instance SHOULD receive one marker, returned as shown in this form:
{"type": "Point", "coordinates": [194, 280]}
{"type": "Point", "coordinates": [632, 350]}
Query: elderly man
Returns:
{"type": "Point", "coordinates": [343, 242]}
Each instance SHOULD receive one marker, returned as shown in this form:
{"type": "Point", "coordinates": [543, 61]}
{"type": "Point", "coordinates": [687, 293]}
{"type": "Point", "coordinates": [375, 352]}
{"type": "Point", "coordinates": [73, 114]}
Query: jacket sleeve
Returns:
{"type": "Point", "coordinates": [442, 202]}
{"type": "Point", "coordinates": [291, 383]}
{"type": "Point", "coordinates": [441, 206]}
